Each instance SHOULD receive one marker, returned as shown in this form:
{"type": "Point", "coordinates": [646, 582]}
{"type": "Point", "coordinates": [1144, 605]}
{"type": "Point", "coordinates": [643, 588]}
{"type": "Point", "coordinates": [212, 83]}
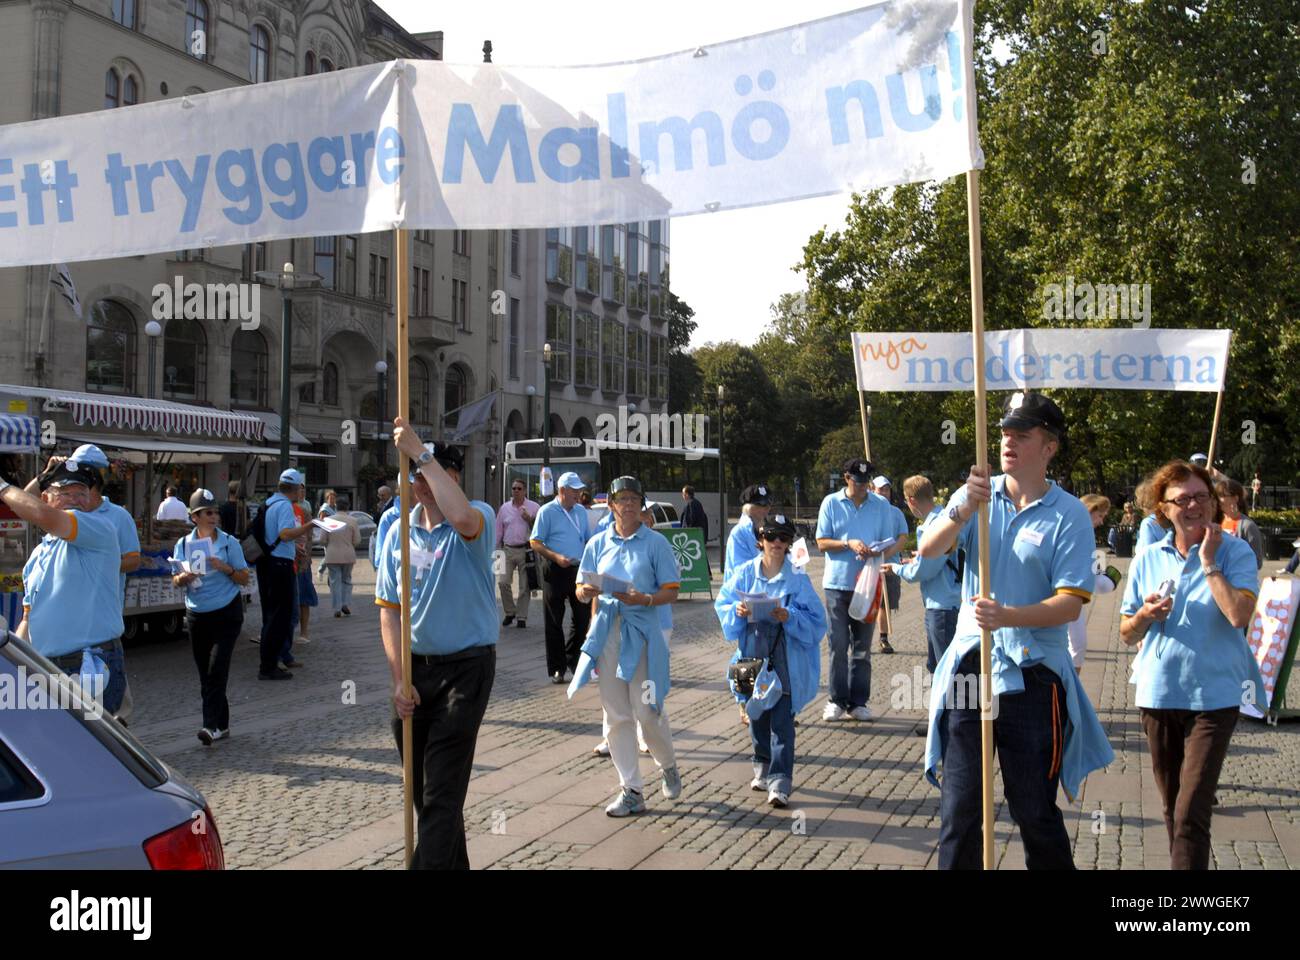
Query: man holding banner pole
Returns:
{"type": "Point", "coordinates": [1044, 728]}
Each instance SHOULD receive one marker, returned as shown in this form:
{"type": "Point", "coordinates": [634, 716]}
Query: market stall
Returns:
{"type": "Point", "coordinates": [18, 434]}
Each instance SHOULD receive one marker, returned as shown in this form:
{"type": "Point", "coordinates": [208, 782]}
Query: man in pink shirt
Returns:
{"type": "Point", "coordinates": [514, 525]}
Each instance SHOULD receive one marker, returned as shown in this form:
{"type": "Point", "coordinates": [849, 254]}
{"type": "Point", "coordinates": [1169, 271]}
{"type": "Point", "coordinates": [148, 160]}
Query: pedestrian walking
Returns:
{"type": "Point", "coordinates": [234, 512]}
{"type": "Point", "coordinates": [514, 528]}
{"type": "Point", "coordinates": [453, 641]}
{"type": "Point", "coordinates": [386, 501]}
{"type": "Point", "coordinates": [1149, 530]}
{"type": "Point", "coordinates": [214, 610]}
{"type": "Point", "coordinates": [693, 512]}
{"type": "Point", "coordinates": [559, 536]}
{"type": "Point", "coordinates": [340, 558]}
{"type": "Point", "coordinates": [1104, 581]}
{"type": "Point", "coordinates": [1232, 500]}
{"type": "Point", "coordinates": [787, 638]}
{"type": "Point", "coordinates": [893, 584]}
{"type": "Point", "coordinates": [171, 507]}
{"type": "Point", "coordinates": [1044, 730]}
{"type": "Point", "coordinates": [626, 642]}
{"type": "Point", "coordinates": [742, 544]}
{"type": "Point", "coordinates": [276, 579]}
{"type": "Point", "coordinates": [848, 522]}
{"type": "Point", "coordinates": [1194, 671]}
{"type": "Point", "coordinates": [305, 589]}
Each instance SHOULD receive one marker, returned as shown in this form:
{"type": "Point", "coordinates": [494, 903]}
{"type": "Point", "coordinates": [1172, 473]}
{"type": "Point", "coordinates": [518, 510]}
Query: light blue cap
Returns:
{"type": "Point", "coordinates": [293, 476]}
{"type": "Point", "coordinates": [571, 480]}
{"type": "Point", "coordinates": [90, 454]}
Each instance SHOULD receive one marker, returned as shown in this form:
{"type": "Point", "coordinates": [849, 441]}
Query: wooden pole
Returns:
{"type": "Point", "coordinates": [864, 413]}
{"type": "Point", "coordinates": [982, 461]}
{"type": "Point", "coordinates": [404, 516]}
{"type": "Point", "coordinates": [1214, 431]}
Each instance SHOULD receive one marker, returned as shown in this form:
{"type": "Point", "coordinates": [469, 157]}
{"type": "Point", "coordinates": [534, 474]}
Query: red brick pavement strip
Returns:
{"type": "Point", "coordinates": [310, 781]}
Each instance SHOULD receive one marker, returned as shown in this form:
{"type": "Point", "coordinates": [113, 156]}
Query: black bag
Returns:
{"type": "Point", "coordinates": [534, 580]}
{"type": "Point", "coordinates": [743, 673]}
{"type": "Point", "coordinates": [254, 545]}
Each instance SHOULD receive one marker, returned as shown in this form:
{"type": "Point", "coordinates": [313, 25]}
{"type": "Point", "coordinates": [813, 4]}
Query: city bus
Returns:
{"type": "Point", "coordinates": [663, 471]}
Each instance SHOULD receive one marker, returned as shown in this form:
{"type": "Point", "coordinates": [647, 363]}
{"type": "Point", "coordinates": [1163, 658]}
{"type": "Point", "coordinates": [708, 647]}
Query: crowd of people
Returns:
{"type": "Point", "coordinates": [1190, 593]}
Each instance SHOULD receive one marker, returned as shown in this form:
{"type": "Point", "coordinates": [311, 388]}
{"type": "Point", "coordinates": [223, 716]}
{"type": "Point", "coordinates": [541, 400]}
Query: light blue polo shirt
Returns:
{"type": "Point", "coordinates": [280, 517]}
{"type": "Point", "coordinates": [217, 589]}
{"type": "Point", "coordinates": [936, 575]}
{"type": "Point", "coordinates": [1149, 532]}
{"type": "Point", "coordinates": [563, 531]}
{"type": "Point", "coordinates": [742, 545]}
{"type": "Point", "coordinates": [1196, 659]}
{"type": "Point", "coordinates": [645, 558]}
{"type": "Point", "coordinates": [840, 519]}
{"type": "Point", "coordinates": [453, 598]}
{"type": "Point", "coordinates": [73, 587]}
{"type": "Point", "coordinates": [900, 523]}
{"type": "Point", "coordinates": [128, 538]}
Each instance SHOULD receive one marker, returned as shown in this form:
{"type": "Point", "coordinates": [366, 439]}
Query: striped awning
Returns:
{"type": "Point", "coordinates": [18, 434]}
{"type": "Point", "coordinates": [137, 413]}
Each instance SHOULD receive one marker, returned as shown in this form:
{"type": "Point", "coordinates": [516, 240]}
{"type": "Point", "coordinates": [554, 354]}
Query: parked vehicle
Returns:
{"type": "Point", "coordinates": [665, 513]}
{"type": "Point", "coordinates": [78, 792]}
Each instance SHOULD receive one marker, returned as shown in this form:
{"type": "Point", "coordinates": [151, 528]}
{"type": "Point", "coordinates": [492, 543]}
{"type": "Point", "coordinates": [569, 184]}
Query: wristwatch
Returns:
{"type": "Point", "coordinates": [422, 459]}
{"type": "Point", "coordinates": [1210, 569]}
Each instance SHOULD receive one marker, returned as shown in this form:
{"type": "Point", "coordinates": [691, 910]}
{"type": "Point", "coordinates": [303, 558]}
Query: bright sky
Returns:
{"type": "Point", "coordinates": [729, 266]}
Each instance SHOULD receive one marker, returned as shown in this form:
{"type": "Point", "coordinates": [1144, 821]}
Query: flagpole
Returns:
{"type": "Point", "coordinates": [982, 461]}
{"type": "Point", "coordinates": [865, 413]}
{"type": "Point", "coordinates": [404, 515]}
{"type": "Point", "coordinates": [45, 327]}
{"type": "Point", "coordinates": [1218, 410]}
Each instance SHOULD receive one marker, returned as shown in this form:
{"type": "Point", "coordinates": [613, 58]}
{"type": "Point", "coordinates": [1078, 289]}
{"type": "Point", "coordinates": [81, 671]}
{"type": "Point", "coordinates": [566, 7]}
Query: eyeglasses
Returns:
{"type": "Point", "coordinates": [779, 538]}
{"type": "Point", "coordinates": [1186, 500]}
{"type": "Point", "coordinates": [853, 479]}
{"type": "Point", "coordinates": [517, 489]}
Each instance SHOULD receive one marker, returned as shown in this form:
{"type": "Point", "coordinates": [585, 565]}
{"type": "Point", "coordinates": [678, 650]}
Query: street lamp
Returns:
{"type": "Point", "coordinates": [532, 392]}
{"type": "Point", "coordinates": [722, 493]}
{"type": "Point", "coordinates": [381, 368]}
{"type": "Point", "coordinates": [153, 330]}
{"type": "Point", "coordinates": [546, 412]}
{"type": "Point", "coordinates": [288, 281]}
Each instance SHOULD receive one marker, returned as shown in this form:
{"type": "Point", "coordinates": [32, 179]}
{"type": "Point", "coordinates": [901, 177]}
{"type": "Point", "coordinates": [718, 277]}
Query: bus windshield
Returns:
{"type": "Point", "coordinates": [531, 474]}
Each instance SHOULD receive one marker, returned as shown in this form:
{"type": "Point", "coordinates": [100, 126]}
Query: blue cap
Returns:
{"type": "Point", "coordinates": [571, 480]}
{"type": "Point", "coordinates": [90, 454]}
{"type": "Point", "coordinates": [293, 476]}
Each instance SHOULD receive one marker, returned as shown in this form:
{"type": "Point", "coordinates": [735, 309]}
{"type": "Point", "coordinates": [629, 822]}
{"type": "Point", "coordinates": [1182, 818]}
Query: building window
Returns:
{"type": "Point", "coordinates": [586, 351]}
{"type": "Point", "coordinates": [254, 260]}
{"type": "Point", "coordinates": [379, 277]}
{"type": "Point", "coordinates": [185, 360]}
{"type": "Point", "coordinates": [454, 390]}
{"type": "Point", "coordinates": [112, 90]}
{"type": "Point", "coordinates": [196, 28]}
{"type": "Point", "coordinates": [259, 55]}
{"type": "Point", "coordinates": [424, 236]}
{"type": "Point", "coordinates": [611, 356]}
{"type": "Point", "coordinates": [419, 306]}
{"type": "Point", "coordinates": [493, 241]}
{"type": "Point", "coordinates": [330, 385]}
{"type": "Point", "coordinates": [307, 392]}
{"type": "Point", "coordinates": [514, 338]}
{"type": "Point", "coordinates": [325, 255]}
{"type": "Point", "coordinates": [130, 91]}
{"type": "Point", "coordinates": [110, 348]}
{"type": "Point", "coordinates": [611, 263]}
{"type": "Point", "coordinates": [326, 65]}
{"type": "Point", "coordinates": [460, 242]}
{"type": "Point", "coordinates": [248, 369]}
{"type": "Point", "coordinates": [124, 13]}
{"type": "Point", "coordinates": [559, 334]}
{"type": "Point", "coordinates": [638, 356]}
{"type": "Point", "coordinates": [459, 304]}
{"type": "Point", "coordinates": [514, 253]}
{"type": "Point", "coordinates": [638, 292]}
{"type": "Point", "coordinates": [419, 384]}
{"type": "Point", "coordinates": [559, 255]}
{"type": "Point", "coordinates": [658, 267]}
{"type": "Point", "coordinates": [309, 66]}
{"type": "Point", "coordinates": [348, 266]}
{"type": "Point", "coordinates": [658, 368]}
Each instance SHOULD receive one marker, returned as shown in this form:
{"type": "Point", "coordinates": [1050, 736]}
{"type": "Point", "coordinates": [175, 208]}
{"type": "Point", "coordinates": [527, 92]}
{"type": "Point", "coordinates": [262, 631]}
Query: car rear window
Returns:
{"type": "Point", "coordinates": [111, 734]}
{"type": "Point", "coordinates": [670, 512]}
{"type": "Point", "coordinates": [17, 783]}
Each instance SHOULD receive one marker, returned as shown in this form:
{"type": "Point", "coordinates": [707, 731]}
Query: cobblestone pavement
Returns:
{"type": "Point", "coordinates": [310, 776]}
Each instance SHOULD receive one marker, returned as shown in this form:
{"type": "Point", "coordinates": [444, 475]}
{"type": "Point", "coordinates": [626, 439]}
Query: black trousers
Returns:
{"type": "Point", "coordinates": [454, 692]}
{"type": "Point", "coordinates": [212, 638]}
{"type": "Point", "coordinates": [558, 584]}
{"type": "Point", "coordinates": [275, 588]}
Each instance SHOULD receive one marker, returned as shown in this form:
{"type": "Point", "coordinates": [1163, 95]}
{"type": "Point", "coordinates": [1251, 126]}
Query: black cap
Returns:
{"type": "Point", "coordinates": [620, 484]}
{"type": "Point", "coordinates": [777, 523]}
{"type": "Point", "coordinates": [859, 469]}
{"type": "Point", "coordinates": [69, 471]}
{"type": "Point", "coordinates": [757, 494]}
{"type": "Point", "coordinates": [1024, 411]}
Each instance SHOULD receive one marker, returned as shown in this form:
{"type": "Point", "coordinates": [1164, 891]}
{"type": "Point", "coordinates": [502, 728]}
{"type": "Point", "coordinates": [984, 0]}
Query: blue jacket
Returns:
{"type": "Point", "coordinates": [803, 631]}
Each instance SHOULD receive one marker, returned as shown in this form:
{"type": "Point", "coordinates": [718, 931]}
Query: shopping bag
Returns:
{"type": "Point", "coordinates": [865, 590]}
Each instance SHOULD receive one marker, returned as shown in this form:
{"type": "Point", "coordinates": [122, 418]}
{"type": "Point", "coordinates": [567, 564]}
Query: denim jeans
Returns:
{"type": "Point", "coordinates": [116, 663]}
{"type": "Point", "coordinates": [1028, 738]}
{"type": "Point", "coordinates": [773, 738]}
{"type": "Point", "coordinates": [850, 642]}
{"type": "Point", "coordinates": [340, 584]}
{"type": "Point", "coordinates": [940, 626]}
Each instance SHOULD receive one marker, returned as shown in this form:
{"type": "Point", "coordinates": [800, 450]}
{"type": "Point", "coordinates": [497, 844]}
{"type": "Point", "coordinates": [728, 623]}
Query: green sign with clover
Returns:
{"type": "Point", "coordinates": [692, 562]}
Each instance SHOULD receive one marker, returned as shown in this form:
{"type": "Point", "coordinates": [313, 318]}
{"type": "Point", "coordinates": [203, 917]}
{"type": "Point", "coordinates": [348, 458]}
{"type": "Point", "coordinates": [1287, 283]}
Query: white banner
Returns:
{"type": "Point", "coordinates": [1015, 359]}
{"type": "Point", "coordinates": [865, 99]}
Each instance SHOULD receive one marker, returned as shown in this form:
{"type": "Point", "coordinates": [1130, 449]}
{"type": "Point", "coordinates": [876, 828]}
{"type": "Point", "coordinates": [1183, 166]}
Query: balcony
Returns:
{"type": "Point", "coordinates": [432, 331]}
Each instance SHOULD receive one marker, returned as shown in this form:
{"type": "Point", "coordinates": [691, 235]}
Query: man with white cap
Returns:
{"type": "Point", "coordinates": [276, 585]}
{"type": "Point", "coordinates": [559, 536]}
{"type": "Point", "coordinates": [893, 585]}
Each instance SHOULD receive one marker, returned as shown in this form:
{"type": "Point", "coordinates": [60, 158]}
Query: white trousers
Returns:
{"type": "Point", "coordinates": [625, 711]}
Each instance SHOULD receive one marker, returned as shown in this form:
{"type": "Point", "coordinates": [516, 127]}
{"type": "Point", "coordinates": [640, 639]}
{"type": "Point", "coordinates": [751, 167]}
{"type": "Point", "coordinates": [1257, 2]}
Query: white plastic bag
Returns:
{"type": "Point", "coordinates": [864, 591]}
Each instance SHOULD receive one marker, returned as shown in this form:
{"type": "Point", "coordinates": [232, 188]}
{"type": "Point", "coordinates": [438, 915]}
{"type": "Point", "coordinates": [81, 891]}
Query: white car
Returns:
{"type": "Point", "coordinates": [665, 513]}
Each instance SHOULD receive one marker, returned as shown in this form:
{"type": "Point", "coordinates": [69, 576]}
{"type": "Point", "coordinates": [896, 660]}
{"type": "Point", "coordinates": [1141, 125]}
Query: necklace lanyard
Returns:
{"type": "Point", "coordinates": [569, 516]}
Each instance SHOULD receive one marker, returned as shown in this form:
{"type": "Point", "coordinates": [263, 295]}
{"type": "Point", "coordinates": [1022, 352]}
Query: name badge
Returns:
{"type": "Point", "coordinates": [421, 559]}
{"type": "Point", "coordinates": [1033, 536]}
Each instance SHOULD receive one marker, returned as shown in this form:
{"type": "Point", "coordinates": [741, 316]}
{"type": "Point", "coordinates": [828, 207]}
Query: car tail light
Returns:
{"type": "Point", "coordinates": [192, 845]}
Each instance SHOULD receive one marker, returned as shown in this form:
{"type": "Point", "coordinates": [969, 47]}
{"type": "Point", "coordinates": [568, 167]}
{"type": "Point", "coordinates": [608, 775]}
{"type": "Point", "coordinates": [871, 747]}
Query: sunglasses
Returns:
{"type": "Point", "coordinates": [779, 538]}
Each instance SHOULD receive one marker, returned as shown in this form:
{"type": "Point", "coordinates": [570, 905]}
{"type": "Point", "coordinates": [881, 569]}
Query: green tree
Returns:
{"type": "Point", "coordinates": [683, 372]}
{"type": "Point", "coordinates": [749, 410]}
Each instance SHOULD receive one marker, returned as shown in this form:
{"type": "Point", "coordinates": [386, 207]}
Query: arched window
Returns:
{"type": "Point", "coordinates": [419, 391]}
{"type": "Point", "coordinates": [259, 55]}
{"type": "Point", "coordinates": [130, 91]}
{"type": "Point", "coordinates": [112, 90]}
{"type": "Point", "coordinates": [248, 376]}
{"type": "Point", "coordinates": [330, 376]}
{"type": "Point", "coordinates": [110, 348]}
{"type": "Point", "coordinates": [310, 64]}
{"type": "Point", "coordinates": [326, 65]}
{"type": "Point", "coordinates": [454, 389]}
{"type": "Point", "coordinates": [185, 360]}
{"type": "Point", "coordinates": [196, 28]}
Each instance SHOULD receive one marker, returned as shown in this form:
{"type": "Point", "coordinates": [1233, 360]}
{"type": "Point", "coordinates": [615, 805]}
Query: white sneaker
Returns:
{"type": "Point", "coordinates": [672, 786]}
{"type": "Point", "coordinates": [628, 803]}
{"type": "Point", "coordinates": [601, 749]}
{"type": "Point", "coordinates": [758, 784]}
{"type": "Point", "coordinates": [860, 713]}
{"type": "Point", "coordinates": [833, 712]}
{"type": "Point", "coordinates": [220, 734]}
{"type": "Point", "coordinates": [777, 799]}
